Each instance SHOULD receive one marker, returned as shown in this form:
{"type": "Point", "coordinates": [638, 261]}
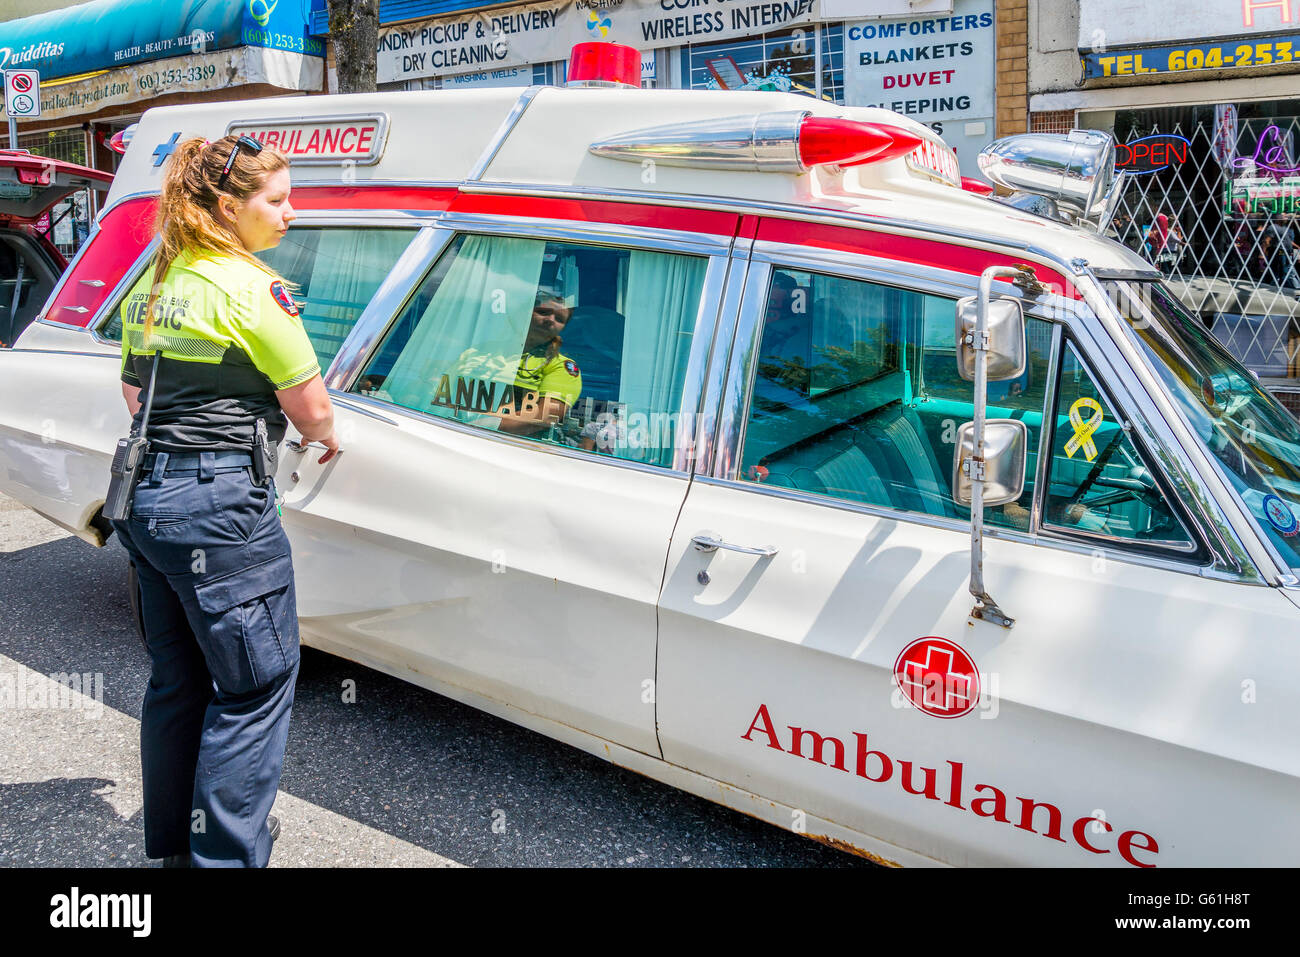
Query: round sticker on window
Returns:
{"type": "Point", "coordinates": [1280, 516]}
{"type": "Point", "coordinates": [283, 299]}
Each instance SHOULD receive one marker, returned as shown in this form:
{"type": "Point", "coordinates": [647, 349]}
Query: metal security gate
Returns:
{"type": "Point", "coordinates": [1220, 221]}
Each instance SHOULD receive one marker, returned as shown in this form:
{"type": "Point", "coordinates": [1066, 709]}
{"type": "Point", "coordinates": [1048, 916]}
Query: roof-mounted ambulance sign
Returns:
{"type": "Point", "coordinates": [326, 141]}
{"type": "Point", "coordinates": [936, 160]}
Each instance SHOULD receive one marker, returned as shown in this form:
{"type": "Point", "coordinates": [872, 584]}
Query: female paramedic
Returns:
{"type": "Point", "coordinates": [215, 337]}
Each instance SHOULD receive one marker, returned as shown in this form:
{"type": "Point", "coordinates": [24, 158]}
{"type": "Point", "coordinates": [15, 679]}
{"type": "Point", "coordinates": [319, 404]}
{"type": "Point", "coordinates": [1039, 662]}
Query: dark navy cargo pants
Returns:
{"type": "Point", "coordinates": [221, 623]}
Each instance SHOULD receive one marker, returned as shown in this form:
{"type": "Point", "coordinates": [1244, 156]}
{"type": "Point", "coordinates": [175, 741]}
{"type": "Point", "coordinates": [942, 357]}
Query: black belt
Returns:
{"type": "Point", "coordinates": [197, 463]}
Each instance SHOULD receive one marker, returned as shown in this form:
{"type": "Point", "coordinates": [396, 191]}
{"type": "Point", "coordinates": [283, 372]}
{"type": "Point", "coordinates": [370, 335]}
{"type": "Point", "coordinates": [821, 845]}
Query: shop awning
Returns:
{"type": "Point", "coordinates": [105, 34]}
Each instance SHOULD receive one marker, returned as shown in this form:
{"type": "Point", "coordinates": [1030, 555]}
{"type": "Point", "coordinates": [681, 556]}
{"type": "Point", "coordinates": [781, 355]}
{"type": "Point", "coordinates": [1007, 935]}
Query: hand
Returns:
{"type": "Point", "coordinates": [331, 448]}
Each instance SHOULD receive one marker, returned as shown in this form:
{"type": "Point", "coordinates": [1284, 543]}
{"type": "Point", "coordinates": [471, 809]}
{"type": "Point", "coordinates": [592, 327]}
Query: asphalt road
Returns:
{"type": "Point", "coordinates": [401, 777]}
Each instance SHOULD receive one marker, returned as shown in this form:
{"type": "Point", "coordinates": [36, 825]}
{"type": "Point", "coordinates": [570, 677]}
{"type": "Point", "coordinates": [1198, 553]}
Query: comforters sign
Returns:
{"type": "Point", "coordinates": [927, 68]}
{"type": "Point", "coordinates": [544, 32]}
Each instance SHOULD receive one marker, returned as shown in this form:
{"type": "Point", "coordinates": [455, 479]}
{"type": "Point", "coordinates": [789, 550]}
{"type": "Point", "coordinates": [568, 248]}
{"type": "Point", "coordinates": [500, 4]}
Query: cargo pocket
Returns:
{"type": "Point", "coordinates": [253, 636]}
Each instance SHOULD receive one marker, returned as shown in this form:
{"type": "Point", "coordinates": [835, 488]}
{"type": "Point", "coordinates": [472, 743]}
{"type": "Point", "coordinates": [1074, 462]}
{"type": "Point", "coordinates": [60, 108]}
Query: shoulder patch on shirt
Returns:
{"type": "Point", "coordinates": [571, 367]}
{"type": "Point", "coordinates": [283, 299]}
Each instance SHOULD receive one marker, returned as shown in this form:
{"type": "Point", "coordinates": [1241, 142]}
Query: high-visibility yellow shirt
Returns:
{"type": "Point", "coordinates": [230, 336]}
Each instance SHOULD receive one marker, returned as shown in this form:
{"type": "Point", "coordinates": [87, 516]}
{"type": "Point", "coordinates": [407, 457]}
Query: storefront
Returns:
{"type": "Point", "coordinates": [103, 63]}
{"type": "Point", "coordinates": [1205, 108]}
{"type": "Point", "coordinates": [930, 59]}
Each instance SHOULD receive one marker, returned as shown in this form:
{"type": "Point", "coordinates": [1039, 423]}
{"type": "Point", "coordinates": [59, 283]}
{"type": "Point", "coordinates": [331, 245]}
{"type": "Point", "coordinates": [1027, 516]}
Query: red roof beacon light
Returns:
{"type": "Point", "coordinates": [824, 140]}
{"type": "Point", "coordinates": [120, 140]}
{"type": "Point", "coordinates": [604, 64]}
{"type": "Point", "coordinates": [976, 186]}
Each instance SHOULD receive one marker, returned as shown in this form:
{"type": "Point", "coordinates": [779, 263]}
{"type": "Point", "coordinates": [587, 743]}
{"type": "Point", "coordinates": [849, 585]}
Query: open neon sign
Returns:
{"type": "Point", "coordinates": [1271, 155]}
{"type": "Point", "coordinates": [1151, 154]}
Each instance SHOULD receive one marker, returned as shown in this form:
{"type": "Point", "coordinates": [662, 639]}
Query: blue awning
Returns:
{"type": "Point", "coordinates": [104, 34]}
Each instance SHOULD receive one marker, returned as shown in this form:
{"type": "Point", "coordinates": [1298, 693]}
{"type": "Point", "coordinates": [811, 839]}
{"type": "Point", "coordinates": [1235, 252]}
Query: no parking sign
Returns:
{"type": "Point", "coordinates": [22, 93]}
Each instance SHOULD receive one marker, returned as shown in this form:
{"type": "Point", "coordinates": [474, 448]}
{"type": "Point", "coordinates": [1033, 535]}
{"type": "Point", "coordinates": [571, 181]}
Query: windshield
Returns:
{"type": "Point", "coordinates": [1247, 430]}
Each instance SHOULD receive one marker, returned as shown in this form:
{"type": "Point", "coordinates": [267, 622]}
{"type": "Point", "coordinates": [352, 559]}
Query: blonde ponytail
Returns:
{"type": "Point", "coordinates": [187, 209]}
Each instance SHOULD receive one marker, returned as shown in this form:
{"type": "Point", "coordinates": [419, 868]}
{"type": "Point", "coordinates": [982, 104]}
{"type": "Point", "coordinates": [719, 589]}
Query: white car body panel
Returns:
{"type": "Point", "coordinates": [1139, 719]}
{"type": "Point", "coordinates": [466, 586]}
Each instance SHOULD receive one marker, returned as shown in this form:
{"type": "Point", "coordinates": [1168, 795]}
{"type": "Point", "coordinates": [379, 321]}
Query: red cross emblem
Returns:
{"type": "Point", "coordinates": [938, 677]}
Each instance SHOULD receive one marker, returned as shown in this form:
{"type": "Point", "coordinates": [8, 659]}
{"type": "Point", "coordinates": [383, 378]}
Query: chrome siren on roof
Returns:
{"type": "Point", "coordinates": [1066, 176]}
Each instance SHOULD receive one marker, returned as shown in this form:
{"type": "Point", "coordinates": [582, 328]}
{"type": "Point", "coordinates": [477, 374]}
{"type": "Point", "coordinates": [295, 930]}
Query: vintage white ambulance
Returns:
{"type": "Point", "coordinates": [788, 351]}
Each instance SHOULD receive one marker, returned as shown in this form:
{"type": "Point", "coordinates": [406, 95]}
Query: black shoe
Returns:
{"type": "Point", "coordinates": [273, 825]}
{"type": "Point", "coordinates": [177, 860]}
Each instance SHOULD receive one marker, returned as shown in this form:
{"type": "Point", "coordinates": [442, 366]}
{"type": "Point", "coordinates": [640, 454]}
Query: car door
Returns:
{"type": "Point", "coordinates": [816, 643]}
{"type": "Point", "coordinates": [486, 552]}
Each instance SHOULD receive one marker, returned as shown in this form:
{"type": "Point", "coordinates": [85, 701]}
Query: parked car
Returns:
{"type": "Point", "coordinates": [30, 262]}
{"type": "Point", "coordinates": [925, 526]}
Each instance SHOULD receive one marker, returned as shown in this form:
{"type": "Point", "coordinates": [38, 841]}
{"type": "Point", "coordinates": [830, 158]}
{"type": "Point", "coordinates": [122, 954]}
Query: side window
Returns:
{"type": "Point", "coordinates": [857, 396]}
{"type": "Point", "coordinates": [1098, 483]}
{"type": "Point", "coordinates": [334, 272]}
{"type": "Point", "coordinates": [947, 400]}
{"type": "Point", "coordinates": [578, 345]}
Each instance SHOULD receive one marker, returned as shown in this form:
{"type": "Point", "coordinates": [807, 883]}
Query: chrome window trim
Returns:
{"type": "Point", "coordinates": [113, 301]}
{"type": "Point", "coordinates": [362, 182]}
{"type": "Point", "coordinates": [963, 528]}
{"type": "Point", "coordinates": [1049, 401]}
{"type": "Point", "coordinates": [68, 352]}
{"type": "Point", "coordinates": [399, 412]}
{"type": "Point", "coordinates": [503, 132]}
{"type": "Point", "coordinates": [1237, 525]}
{"type": "Point", "coordinates": [703, 337]}
{"type": "Point", "coordinates": [1135, 274]}
{"type": "Point", "coordinates": [1066, 313]}
{"type": "Point", "coordinates": [608, 234]}
{"type": "Point", "coordinates": [344, 399]}
{"type": "Point", "coordinates": [126, 197]}
{"type": "Point", "coordinates": [737, 382]}
{"type": "Point", "coordinates": [365, 218]}
{"type": "Point", "coordinates": [738, 264]}
{"type": "Point", "coordinates": [388, 301]}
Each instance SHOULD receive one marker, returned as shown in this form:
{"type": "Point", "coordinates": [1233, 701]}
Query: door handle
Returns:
{"type": "Point", "coordinates": [708, 543]}
{"type": "Point", "coordinates": [296, 445]}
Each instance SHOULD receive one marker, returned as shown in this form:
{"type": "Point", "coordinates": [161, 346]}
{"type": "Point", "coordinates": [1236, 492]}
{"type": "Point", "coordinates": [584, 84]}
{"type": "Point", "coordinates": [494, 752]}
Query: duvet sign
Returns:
{"type": "Point", "coordinates": [1090, 833]}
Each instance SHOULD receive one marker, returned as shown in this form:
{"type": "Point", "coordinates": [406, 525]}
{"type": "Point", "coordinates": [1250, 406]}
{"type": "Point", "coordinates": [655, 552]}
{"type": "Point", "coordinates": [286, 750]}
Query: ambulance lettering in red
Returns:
{"type": "Point", "coordinates": [321, 140]}
{"type": "Point", "coordinates": [1037, 817]}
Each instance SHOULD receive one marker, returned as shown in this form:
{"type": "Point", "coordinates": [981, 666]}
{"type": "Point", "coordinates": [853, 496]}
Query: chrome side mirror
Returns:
{"type": "Point", "coordinates": [1005, 342]}
{"type": "Point", "coordinates": [1006, 445]}
{"type": "Point", "coordinates": [1075, 170]}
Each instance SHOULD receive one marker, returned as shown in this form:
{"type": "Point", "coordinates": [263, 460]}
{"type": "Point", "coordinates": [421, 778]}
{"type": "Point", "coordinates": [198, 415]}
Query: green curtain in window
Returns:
{"type": "Point", "coordinates": [349, 266]}
{"type": "Point", "coordinates": [661, 302]}
{"type": "Point", "coordinates": [484, 303]}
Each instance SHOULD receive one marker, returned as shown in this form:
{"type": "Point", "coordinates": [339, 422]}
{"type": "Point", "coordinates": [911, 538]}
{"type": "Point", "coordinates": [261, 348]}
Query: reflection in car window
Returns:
{"type": "Point", "coordinates": [857, 396]}
{"type": "Point", "coordinates": [577, 345]}
{"type": "Point", "coordinates": [1098, 482]}
{"type": "Point", "coordinates": [335, 272]}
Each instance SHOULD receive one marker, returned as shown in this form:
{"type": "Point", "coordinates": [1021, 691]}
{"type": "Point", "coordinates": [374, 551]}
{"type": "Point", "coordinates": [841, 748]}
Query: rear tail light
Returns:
{"type": "Point", "coordinates": [788, 141]}
{"type": "Point", "coordinates": [825, 140]}
{"type": "Point", "coordinates": [604, 64]}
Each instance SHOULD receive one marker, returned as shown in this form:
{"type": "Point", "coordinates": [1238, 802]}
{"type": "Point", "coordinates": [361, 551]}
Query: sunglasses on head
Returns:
{"type": "Point", "coordinates": [248, 143]}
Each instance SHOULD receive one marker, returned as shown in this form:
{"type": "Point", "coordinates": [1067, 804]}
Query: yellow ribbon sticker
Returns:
{"type": "Point", "coordinates": [1083, 430]}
